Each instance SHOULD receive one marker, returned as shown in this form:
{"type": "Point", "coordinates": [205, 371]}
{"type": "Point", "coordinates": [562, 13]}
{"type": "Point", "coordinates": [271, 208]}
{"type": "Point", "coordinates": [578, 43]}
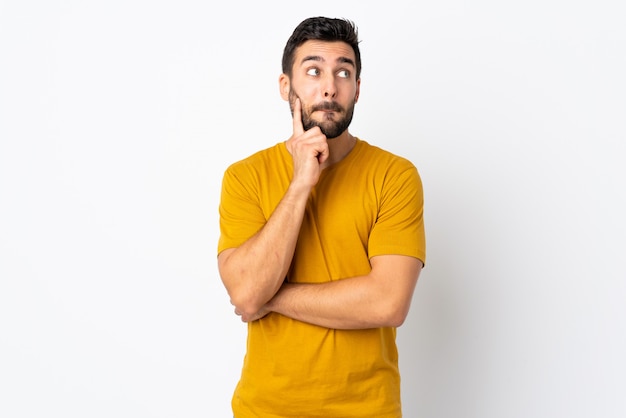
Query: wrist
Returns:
{"type": "Point", "coordinates": [299, 188]}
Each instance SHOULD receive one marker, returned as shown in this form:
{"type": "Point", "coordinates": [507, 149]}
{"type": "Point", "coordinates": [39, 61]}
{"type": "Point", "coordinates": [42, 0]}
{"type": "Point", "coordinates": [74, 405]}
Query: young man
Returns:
{"type": "Point", "coordinates": [322, 242]}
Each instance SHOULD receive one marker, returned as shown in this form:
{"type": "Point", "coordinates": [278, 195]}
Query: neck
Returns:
{"type": "Point", "coordinates": [340, 147]}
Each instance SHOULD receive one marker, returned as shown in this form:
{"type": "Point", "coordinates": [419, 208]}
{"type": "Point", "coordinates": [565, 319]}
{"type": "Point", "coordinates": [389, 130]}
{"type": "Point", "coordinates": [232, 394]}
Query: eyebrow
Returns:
{"type": "Point", "coordinates": [343, 60]}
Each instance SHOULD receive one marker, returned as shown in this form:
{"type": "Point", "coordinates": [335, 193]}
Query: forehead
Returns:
{"type": "Point", "coordinates": [329, 52]}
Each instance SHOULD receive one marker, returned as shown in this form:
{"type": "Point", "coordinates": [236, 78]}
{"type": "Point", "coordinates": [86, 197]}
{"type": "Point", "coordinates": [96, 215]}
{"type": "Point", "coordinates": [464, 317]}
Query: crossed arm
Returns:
{"type": "Point", "coordinates": [254, 273]}
{"type": "Point", "coordinates": [378, 299]}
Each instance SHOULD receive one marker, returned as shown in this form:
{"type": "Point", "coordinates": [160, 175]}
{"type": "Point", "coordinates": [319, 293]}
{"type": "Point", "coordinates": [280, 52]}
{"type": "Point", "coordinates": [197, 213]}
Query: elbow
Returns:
{"type": "Point", "coordinates": [246, 305]}
{"type": "Point", "coordinates": [395, 315]}
{"type": "Point", "coordinates": [245, 287]}
{"type": "Point", "coordinates": [245, 300]}
{"type": "Point", "coordinates": [395, 321]}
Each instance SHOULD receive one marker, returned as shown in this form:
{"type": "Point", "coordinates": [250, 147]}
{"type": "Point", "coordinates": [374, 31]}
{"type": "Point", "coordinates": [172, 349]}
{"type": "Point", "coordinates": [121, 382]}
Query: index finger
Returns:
{"type": "Point", "coordinates": [298, 128]}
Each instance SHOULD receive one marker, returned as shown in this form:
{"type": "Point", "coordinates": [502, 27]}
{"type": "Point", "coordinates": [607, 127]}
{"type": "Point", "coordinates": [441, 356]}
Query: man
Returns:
{"type": "Point", "coordinates": [322, 242]}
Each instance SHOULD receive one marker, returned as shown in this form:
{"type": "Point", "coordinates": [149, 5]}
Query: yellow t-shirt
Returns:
{"type": "Point", "coordinates": [368, 204]}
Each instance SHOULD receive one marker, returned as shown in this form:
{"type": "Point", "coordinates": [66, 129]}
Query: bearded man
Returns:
{"type": "Point", "coordinates": [321, 246]}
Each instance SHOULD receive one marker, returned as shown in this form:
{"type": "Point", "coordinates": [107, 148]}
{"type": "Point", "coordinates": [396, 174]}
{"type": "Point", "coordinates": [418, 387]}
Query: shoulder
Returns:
{"type": "Point", "coordinates": [383, 159]}
{"type": "Point", "coordinates": [258, 160]}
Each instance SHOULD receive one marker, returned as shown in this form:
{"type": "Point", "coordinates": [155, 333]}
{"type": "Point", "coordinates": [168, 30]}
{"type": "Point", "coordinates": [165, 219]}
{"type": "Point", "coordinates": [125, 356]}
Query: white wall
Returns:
{"type": "Point", "coordinates": [118, 118]}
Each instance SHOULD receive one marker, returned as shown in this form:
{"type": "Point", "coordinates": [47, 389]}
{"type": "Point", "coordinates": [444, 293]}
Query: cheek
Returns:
{"type": "Point", "coordinates": [297, 93]}
{"type": "Point", "coordinates": [306, 88]}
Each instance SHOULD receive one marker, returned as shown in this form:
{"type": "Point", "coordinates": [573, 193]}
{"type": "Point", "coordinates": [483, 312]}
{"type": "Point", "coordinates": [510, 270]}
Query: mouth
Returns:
{"type": "Point", "coordinates": [327, 113]}
{"type": "Point", "coordinates": [328, 107]}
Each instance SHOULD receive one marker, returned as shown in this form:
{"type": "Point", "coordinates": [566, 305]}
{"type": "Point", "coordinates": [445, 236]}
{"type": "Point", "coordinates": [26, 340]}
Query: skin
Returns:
{"type": "Point", "coordinates": [254, 273]}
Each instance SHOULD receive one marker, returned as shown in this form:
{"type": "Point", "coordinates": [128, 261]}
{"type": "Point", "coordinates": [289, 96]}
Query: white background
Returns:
{"type": "Point", "coordinates": [117, 119]}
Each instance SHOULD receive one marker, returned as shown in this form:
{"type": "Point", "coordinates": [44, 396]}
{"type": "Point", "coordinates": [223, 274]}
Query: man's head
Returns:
{"type": "Point", "coordinates": [322, 29]}
{"type": "Point", "coordinates": [321, 67]}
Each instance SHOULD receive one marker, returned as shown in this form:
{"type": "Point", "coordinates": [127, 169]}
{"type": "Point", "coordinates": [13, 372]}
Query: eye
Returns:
{"type": "Point", "coordinates": [344, 73]}
{"type": "Point", "coordinates": [313, 71]}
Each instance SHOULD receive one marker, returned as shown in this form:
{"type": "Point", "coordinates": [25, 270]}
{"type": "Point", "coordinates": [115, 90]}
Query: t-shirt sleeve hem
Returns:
{"type": "Point", "coordinates": [395, 250]}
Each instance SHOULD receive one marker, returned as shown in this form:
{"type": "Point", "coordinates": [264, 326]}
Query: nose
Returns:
{"type": "Point", "coordinates": [329, 89]}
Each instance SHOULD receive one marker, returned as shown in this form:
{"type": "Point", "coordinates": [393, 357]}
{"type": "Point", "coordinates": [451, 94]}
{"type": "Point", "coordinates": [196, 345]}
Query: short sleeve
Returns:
{"type": "Point", "coordinates": [241, 215]}
{"type": "Point", "coordinates": [399, 227]}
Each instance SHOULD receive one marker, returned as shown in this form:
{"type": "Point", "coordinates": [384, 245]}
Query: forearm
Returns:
{"type": "Point", "coordinates": [371, 301]}
{"type": "Point", "coordinates": [344, 304]}
{"type": "Point", "coordinates": [253, 272]}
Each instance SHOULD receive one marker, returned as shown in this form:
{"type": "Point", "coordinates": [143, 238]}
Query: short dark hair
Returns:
{"type": "Point", "coordinates": [322, 29]}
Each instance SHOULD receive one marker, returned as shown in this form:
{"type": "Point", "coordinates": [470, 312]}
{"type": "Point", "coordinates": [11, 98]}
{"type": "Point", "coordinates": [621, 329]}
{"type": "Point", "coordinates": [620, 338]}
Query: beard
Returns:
{"type": "Point", "coordinates": [330, 126]}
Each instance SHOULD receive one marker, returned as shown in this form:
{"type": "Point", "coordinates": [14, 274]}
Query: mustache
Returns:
{"type": "Point", "coordinates": [333, 106]}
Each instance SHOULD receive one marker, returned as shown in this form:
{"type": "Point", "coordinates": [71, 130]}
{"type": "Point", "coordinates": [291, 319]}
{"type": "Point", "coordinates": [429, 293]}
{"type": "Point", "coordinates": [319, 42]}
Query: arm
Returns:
{"type": "Point", "coordinates": [379, 299]}
{"type": "Point", "coordinates": [253, 272]}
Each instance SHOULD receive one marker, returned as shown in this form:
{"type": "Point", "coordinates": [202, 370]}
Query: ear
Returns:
{"type": "Point", "coordinates": [358, 90]}
{"type": "Point", "coordinates": [284, 85]}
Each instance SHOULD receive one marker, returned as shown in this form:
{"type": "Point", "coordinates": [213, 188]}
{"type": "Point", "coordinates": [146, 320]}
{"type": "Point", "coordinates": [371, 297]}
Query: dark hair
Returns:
{"type": "Point", "coordinates": [322, 29]}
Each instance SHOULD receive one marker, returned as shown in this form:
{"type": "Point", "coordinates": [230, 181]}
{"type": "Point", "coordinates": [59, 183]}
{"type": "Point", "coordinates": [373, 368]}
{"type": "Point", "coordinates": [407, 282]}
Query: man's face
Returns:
{"type": "Point", "coordinates": [324, 79]}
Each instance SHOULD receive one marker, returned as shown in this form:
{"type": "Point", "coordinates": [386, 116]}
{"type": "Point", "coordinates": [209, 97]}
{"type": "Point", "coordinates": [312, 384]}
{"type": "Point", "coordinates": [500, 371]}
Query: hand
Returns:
{"type": "Point", "coordinates": [309, 150]}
